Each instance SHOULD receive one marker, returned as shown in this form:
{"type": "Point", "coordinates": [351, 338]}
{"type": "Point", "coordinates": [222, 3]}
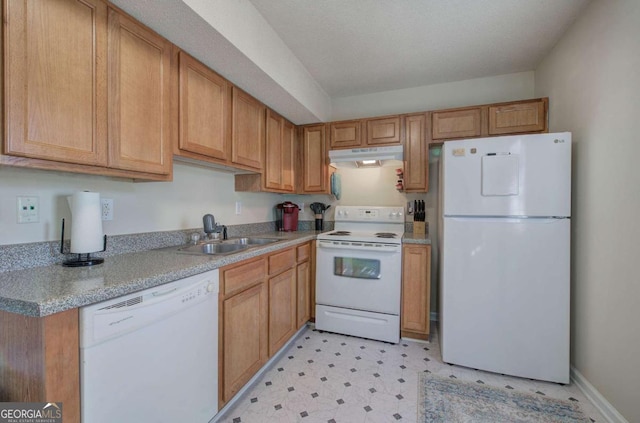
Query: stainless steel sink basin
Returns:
{"type": "Point", "coordinates": [249, 241]}
{"type": "Point", "coordinates": [211, 248]}
{"type": "Point", "coordinates": [227, 246]}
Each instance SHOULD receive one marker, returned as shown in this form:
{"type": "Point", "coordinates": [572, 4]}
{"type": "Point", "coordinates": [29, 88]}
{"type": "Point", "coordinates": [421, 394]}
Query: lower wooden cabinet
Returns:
{"type": "Point", "coordinates": [263, 302]}
{"type": "Point", "coordinates": [40, 360]}
{"type": "Point", "coordinates": [282, 309]}
{"type": "Point", "coordinates": [416, 290]}
{"type": "Point", "coordinates": [304, 298]}
{"type": "Point", "coordinates": [243, 333]}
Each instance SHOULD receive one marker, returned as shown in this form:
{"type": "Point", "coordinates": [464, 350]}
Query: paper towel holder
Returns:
{"type": "Point", "coordinates": [82, 259]}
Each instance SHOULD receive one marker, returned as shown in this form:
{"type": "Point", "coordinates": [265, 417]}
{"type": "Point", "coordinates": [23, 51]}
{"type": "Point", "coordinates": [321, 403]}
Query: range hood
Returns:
{"type": "Point", "coordinates": [367, 157]}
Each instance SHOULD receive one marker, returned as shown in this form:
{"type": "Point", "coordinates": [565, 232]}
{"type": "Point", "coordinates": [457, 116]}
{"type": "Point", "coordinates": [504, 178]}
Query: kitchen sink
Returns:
{"type": "Point", "coordinates": [249, 241]}
{"type": "Point", "coordinates": [211, 248]}
{"type": "Point", "coordinates": [227, 246]}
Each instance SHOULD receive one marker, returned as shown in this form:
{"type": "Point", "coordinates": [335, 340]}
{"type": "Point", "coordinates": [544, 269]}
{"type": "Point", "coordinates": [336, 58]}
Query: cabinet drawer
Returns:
{"type": "Point", "coordinates": [303, 252]}
{"type": "Point", "coordinates": [282, 261]}
{"type": "Point", "coordinates": [238, 277]}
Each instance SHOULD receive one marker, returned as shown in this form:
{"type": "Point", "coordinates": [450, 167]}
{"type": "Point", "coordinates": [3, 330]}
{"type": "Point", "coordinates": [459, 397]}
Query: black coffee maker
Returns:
{"type": "Point", "coordinates": [319, 209]}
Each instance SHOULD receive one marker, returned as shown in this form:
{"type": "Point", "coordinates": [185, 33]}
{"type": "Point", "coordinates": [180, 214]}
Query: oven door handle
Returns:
{"type": "Point", "coordinates": [380, 248]}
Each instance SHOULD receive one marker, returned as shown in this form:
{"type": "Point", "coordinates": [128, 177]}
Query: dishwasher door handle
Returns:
{"type": "Point", "coordinates": [162, 293]}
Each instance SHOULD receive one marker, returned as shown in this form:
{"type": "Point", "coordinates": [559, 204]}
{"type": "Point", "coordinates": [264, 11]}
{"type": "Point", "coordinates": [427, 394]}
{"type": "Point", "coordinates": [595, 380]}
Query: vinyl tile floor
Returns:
{"type": "Point", "coordinates": [330, 378]}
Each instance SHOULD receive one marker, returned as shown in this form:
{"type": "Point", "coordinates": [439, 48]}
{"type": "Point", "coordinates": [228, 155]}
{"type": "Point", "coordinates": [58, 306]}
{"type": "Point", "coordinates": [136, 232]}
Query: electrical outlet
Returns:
{"type": "Point", "coordinates": [238, 207]}
{"type": "Point", "coordinates": [28, 210]}
{"type": "Point", "coordinates": [301, 206]}
{"type": "Point", "coordinates": [107, 208]}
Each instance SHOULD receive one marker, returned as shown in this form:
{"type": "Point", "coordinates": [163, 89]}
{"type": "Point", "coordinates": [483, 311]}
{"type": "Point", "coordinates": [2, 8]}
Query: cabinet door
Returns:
{"type": "Point", "coordinates": [247, 130]}
{"type": "Point", "coordinates": [416, 290]}
{"type": "Point", "coordinates": [345, 134]}
{"type": "Point", "coordinates": [314, 152]}
{"type": "Point", "coordinates": [41, 360]}
{"type": "Point", "coordinates": [457, 123]}
{"type": "Point", "coordinates": [303, 293]}
{"type": "Point", "coordinates": [244, 338]}
{"type": "Point", "coordinates": [518, 117]}
{"type": "Point", "coordinates": [205, 110]}
{"type": "Point", "coordinates": [55, 80]}
{"type": "Point", "coordinates": [384, 131]}
{"type": "Point", "coordinates": [416, 169]}
{"type": "Point", "coordinates": [273, 165]}
{"type": "Point", "coordinates": [312, 282]}
{"type": "Point", "coordinates": [288, 156]}
{"type": "Point", "coordinates": [282, 309]}
{"type": "Point", "coordinates": [139, 86]}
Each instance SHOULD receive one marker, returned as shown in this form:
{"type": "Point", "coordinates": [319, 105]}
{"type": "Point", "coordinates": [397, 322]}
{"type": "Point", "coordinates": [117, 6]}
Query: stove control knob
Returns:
{"type": "Point", "coordinates": [393, 214]}
{"type": "Point", "coordinates": [399, 214]}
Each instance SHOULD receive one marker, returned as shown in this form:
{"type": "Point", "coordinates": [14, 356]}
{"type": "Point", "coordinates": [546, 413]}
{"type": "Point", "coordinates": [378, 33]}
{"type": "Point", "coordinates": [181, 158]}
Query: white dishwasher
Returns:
{"type": "Point", "coordinates": [152, 356]}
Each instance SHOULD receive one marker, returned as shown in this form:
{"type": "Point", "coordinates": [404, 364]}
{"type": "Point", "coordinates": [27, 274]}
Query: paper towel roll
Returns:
{"type": "Point", "coordinates": [86, 222]}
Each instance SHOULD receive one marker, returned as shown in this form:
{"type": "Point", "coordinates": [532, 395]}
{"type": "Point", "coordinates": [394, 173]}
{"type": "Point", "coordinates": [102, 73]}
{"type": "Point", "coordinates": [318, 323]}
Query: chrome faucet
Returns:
{"type": "Point", "coordinates": [211, 227]}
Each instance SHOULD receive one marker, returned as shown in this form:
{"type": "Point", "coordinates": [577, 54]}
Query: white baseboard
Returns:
{"type": "Point", "coordinates": [228, 406]}
{"type": "Point", "coordinates": [604, 407]}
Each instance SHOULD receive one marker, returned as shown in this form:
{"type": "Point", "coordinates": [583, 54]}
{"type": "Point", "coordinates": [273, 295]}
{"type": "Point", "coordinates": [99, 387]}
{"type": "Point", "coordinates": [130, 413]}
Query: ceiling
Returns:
{"type": "Point", "coordinates": [354, 47]}
{"type": "Point", "coordinates": [297, 56]}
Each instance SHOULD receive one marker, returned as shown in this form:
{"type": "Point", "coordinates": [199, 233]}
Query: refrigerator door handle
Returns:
{"type": "Point", "coordinates": [506, 219]}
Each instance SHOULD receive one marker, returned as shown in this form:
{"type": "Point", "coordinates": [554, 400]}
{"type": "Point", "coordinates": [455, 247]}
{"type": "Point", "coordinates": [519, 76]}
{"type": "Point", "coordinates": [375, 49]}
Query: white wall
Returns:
{"type": "Point", "coordinates": [593, 80]}
{"type": "Point", "coordinates": [139, 206]}
{"type": "Point", "coordinates": [493, 89]}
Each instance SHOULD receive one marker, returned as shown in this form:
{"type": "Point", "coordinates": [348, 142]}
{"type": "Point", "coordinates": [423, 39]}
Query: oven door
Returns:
{"type": "Point", "coordinates": [359, 276]}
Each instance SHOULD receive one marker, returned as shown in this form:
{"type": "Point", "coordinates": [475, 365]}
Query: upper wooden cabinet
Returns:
{"type": "Point", "coordinates": [460, 123]}
{"type": "Point", "coordinates": [383, 131]}
{"type": "Point", "coordinates": [139, 87]}
{"type": "Point", "coordinates": [346, 134]}
{"type": "Point", "coordinates": [315, 173]}
{"type": "Point", "coordinates": [273, 151]}
{"type": "Point", "coordinates": [205, 112]}
{"type": "Point", "coordinates": [55, 80]}
{"type": "Point", "coordinates": [279, 154]}
{"type": "Point", "coordinates": [516, 117]}
{"type": "Point", "coordinates": [86, 90]}
{"type": "Point", "coordinates": [247, 131]}
{"type": "Point", "coordinates": [289, 153]}
{"type": "Point", "coordinates": [511, 118]}
{"type": "Point", "coordinates": [279, 163]}
{"type": "Point", "coordinates": [416, 152]}
{"type": "Point", "coordinates": [366, 132]}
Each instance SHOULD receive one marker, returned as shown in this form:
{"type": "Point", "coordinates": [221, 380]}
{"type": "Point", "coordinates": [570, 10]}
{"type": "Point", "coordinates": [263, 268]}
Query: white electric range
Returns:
{"type": "Point", "coordinates": [358, 273]}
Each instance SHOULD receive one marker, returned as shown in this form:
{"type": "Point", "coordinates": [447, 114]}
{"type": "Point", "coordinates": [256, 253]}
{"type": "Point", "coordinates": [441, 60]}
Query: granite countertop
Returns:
{"type": "Point", "coordinates": [411, 238]}
{"type": "Point", "coordinates": [41, 291]}
{"type": "Point", "coordinates": [46, 290]}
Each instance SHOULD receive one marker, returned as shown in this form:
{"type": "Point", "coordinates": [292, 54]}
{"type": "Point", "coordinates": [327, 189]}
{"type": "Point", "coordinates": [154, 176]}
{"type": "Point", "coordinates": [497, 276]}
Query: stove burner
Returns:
{"type": "Point", "coordinates": [340, 233]}
{"type": "Point", "coordinates": [385, 235]}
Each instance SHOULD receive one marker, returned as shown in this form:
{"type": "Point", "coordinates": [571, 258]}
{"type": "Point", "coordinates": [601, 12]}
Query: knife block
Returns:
{"type": "Point", "coordinates": [419, 228]}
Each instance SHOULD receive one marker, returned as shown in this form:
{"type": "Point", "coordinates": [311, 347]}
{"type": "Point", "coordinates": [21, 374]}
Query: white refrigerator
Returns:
{"type": "Point", "coordinates": [505, 248]}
